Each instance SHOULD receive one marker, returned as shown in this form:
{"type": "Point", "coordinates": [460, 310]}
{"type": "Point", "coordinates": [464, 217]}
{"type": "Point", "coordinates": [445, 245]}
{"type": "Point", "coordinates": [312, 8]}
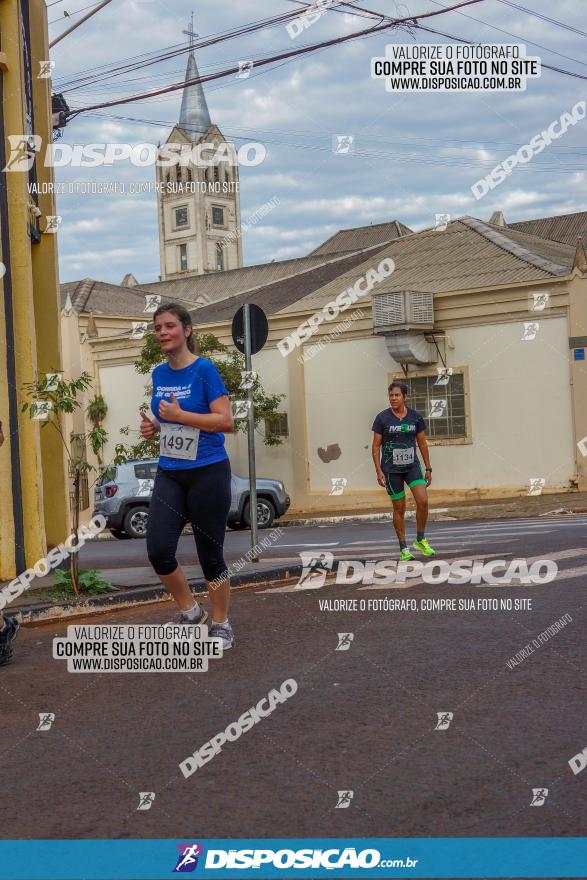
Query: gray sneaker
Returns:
{"type": "Point", "coordinates": [222, 631]}
{"type": "Point", "coordinates": [197, 621]}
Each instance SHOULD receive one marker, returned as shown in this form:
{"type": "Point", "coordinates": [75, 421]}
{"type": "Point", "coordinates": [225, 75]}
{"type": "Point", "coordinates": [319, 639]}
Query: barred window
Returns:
{"type": "Point", "coordinates": [276, 426]}
{"type": "Point", "coordinates": [442, 406]}
{"type": "Point", "coordinates": [181, 216]}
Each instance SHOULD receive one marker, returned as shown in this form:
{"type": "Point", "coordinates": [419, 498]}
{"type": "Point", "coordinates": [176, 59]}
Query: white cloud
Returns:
{"type": "Point", "coordinates": [416, 154]}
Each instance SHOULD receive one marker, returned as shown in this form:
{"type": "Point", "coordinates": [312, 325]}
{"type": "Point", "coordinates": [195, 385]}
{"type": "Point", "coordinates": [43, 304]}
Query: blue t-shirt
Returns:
{"type": "Point", "coordinates": [194, 387]}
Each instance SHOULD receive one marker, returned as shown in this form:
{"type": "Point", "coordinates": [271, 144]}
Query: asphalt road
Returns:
{"type": "Point", "coordinates": [345, 540]}
{"type": "Point", "coordinates": [362, 720]}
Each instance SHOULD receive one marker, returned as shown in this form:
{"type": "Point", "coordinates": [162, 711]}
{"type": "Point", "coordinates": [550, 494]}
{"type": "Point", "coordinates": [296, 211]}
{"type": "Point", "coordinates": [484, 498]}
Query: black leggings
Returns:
{"type": "Point", "coordinates": [200, 496]}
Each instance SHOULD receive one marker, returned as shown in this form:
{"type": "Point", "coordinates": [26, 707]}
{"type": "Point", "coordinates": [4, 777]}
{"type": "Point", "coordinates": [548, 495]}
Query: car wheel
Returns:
{"type": "Point", "coordinates": [118, 533]}
{"type": "Point", "coordinates": [265, 513]}
{"type": "Point", "coordinates": [135, 522]}
{"type": "Point", "coordinates": [237, 525]}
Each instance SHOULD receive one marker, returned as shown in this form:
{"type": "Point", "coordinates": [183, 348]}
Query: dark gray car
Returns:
{"type": "Point", "coordinates": [124, 493]}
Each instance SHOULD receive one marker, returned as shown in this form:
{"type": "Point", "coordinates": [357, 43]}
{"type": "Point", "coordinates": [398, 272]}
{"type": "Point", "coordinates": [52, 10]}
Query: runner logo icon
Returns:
{"type": "Point", "coordinates": [187, 861]}
{"type": "Point", "coordinates": [46, 720]}
{"type": "Point", "coordinates": [344, 799]}
{"type": "Point", "coordinates": [539, 795]}
{"type": "Point", "coordinates": [444, 719]}
{"type": "Point", "coordinates": [314, 571]}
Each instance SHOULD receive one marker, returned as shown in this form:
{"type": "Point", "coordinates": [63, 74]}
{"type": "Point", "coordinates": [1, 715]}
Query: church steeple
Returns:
{"type": "Point", "coordinates": [198, 198]}
{"type": "Point", "coordinates": [194, 116]}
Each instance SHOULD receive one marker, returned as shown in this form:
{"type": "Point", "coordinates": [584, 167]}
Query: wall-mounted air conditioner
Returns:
{"type": "Point", "coordinates": [402, 310]}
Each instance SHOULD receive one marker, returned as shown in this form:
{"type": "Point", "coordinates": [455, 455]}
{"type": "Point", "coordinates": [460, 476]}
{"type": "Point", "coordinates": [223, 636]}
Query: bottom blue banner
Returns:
{"type": "Point", "coordinates": [486, 857]}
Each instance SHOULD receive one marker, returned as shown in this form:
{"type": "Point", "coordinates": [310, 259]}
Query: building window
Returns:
{"type": "Point", "coordinates": [181, 217]}
{"type": "Point", "coordinates": [216, 174]}
{"type": "Point", "coordinates": [442, 406]}
{"type": "Point", "coordinates": [183, 257]}
{"type": "Point", "coordinates": [218, 216]}
{"type": "Point", "coordinates": [276, 426]}
{"type": "Point", "coordinates": [189, 175]}
{"type": "Point", "coordinates": [219, 257]}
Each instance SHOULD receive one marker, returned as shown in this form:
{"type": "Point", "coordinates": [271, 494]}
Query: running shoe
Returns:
{"type": "Point", "coordinates": [200, 620]}
{"type": "Point", "coordinates": [7, 637]}
{"type": "Point", "coordinates": [424, 547]}
{"type": "Point", "coordinates": [222, 631]}
{"type": "Point", "coordinates": [405, 555]}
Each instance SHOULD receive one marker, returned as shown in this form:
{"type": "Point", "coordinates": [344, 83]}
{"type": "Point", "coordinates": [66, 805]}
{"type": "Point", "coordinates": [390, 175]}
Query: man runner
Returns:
{"type": "Point", "coordinates": [395, 433]}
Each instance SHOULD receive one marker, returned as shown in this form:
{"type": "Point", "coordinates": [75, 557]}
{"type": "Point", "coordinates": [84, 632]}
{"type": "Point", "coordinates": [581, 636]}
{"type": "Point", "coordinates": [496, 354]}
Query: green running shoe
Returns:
{"type": "Point", "coordinates": [405, 555]}
{"type": "Point", "coordinates": [424, 547]}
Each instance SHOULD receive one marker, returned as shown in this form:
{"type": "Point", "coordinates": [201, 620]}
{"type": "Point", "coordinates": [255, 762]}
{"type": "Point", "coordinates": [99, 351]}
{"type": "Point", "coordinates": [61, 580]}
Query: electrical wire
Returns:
{"type": "Point", "coordinates": [542, 17]}
{"type": "Point", "coordinates": [73, 14]}
{"type": "Point", "coordinates": [515, 36]}
{"type": "Point", "coordinates": [269, 60]}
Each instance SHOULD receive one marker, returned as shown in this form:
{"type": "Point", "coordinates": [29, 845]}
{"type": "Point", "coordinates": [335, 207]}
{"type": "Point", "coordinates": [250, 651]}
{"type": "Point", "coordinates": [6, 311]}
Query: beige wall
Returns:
{"type": "Point", "coordinates": [271, 461]}
{"type": "Point", "coordinates": [123, 389]}
{"type": "Point", "coordinates": [519, 406]}
{"type": "Point", "coordinates": [519, 402]}
{"type": "Point", "coordinates": [346, 386]}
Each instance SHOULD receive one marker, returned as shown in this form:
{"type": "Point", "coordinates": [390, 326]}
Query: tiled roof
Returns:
{"type": "Point", "coordinates": [565, 228]}
{"type": "Point", "coordinates": [362, 237]}
{"type": "Point", "coordinates": [555, 251]}
{"type": "Point", "coordinates": [206, 289]}
{"type": "Point", "coordinates": [468, 254]}
{"type": "Point", "coordinates": [102, 298]}
{"type": "Point", "coordinates": [280, 294]}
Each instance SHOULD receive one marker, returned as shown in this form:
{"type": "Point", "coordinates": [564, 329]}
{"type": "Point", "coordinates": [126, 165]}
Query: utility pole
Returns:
{"type": "Point", "coordinates": [81, 21]}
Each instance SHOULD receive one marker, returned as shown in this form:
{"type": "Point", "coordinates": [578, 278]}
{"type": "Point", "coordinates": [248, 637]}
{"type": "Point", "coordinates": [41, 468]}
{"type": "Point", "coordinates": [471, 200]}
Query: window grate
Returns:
{"type": "Point", "coordinates": [452, 424]}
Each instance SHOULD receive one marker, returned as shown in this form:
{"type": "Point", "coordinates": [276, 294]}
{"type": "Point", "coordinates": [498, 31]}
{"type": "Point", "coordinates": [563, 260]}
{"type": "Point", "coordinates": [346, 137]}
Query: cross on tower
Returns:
{"type": "Point", "coordinates": [190, 32]}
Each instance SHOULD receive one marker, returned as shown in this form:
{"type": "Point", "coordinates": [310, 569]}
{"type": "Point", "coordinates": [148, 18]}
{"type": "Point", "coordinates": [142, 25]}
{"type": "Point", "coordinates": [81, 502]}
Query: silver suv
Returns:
{"type": "Point", "coordinates": [124, 493]}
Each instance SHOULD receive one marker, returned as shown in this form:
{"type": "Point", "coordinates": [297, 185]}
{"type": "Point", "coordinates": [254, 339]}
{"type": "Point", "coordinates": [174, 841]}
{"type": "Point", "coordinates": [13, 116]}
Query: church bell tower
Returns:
{"type": "Point", "coordinates": [198, 200]}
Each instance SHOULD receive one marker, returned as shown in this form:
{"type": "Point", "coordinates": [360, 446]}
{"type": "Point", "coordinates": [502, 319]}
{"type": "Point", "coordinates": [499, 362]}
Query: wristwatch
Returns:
{"type": "Point", "coordinates": [429, 469]}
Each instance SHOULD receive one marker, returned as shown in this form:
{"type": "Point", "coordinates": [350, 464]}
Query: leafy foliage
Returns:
{"type": "Point", "coordinates": [51, 397]}
{"type": "Point", "coordinates": [230, 365]}
{"type": "Point", "coordinates": [91, 582]}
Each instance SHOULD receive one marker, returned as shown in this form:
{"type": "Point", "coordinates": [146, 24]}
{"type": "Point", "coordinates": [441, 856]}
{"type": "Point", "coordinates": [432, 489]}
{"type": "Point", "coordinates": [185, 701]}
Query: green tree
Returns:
{"type": "Point", "coordinates": [230, 365]}
{"type": "Point", "coordinates": [47, 400]}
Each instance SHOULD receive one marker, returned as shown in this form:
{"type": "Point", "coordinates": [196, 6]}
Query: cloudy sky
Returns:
{"type": "Point", "coordinates": [414, 154]}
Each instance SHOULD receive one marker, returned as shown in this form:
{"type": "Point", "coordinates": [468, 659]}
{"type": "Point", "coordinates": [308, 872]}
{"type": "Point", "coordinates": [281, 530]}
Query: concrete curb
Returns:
{"type": "Point", "coordinates": [316, 521]}
{"type": "Point", "coordinates": [49, 612]}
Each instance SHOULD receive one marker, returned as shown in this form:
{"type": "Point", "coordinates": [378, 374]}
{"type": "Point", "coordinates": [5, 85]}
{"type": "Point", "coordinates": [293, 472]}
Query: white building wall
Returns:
{"type": "Point", "coordinates": [275, 462]}
{"type": "Point", "coordinates": [123, 389]}
{"type": "Point", "coordinates": [346, 386]}
{"type": "Point", "coordinates": [520, 409]}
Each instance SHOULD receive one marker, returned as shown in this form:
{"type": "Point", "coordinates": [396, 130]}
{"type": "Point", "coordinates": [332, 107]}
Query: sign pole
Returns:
{"type": "Point", "coordinates": [251, 435]}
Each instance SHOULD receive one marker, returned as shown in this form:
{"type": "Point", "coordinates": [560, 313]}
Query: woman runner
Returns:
{"type": "Point", "coordinates": [396, 431]}
{"type": "Point", "coordinates": [192, 412]}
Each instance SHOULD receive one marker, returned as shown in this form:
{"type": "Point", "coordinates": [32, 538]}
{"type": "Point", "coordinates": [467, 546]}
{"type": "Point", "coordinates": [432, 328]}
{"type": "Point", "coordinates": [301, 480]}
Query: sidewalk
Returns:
{"type": "Point", "coordinates": [140, 584]}
{"type": "Point", "coordinates": [526, 505]}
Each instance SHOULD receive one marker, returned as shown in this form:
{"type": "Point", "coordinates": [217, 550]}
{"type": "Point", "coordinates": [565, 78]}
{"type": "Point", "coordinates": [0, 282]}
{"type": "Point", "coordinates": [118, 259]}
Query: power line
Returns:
{"type": "Point", "coordinates": [283, 55]}
{"type": "Point", "coordinates": [72, 14]}
{"type": "Point", "coordinates": [181, 49]}
{"type": "Point", "coordinates": [515, 36]}
{"type": "Point", "coordinates": [473, 42]}
{"type": "Point", "coordinates": [542, 17]}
